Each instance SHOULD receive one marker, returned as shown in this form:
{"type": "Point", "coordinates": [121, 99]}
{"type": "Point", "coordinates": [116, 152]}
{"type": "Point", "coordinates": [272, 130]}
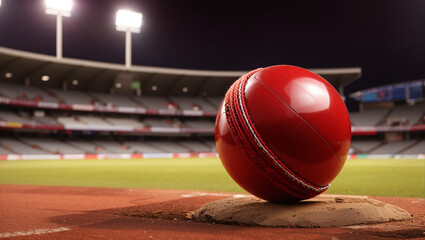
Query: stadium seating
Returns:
{"type": "Point", "coordinates": [161, 123]}
{"type": "Point", "coordinates": [70, 121]}
{"type": "Point", "coordinates": [116, 100]}
{"type": "Point", "coordinates": [212, 145]}
{"type": "Point", "coordinates": [143, 147]}
{"type": "Point", "coordinates": [168, 124]}
{"type": "Point", "coordinates": [28, 93]}
{"type": "Point", "coordinates": [110, 146]}
{"type": "Point", "coordinates": [20, 147]}
{"type": "Point", "coordinates": [13, 117]}
{"type": "Point", "coordinates": [410, 115]}
{"type": "Point", "coordinates": [74, 97]}
{"type": "Point", "coordinates": [364, 146]}
{"type": "Point", "coordinates": [129, 122]}
{"type": "Point", "coordinates": [193, 103]}
{"type": "Point", "coordinates": [94, 121]}
{"type": "Point", "coordinates": [370, 117]}
{"type": "Point", "coordinates": [195, 146]}
{"type": "Point", "coordinates": [152, 102]}
{"type": "Point", "coordinates": [87, 147]}
{"type": "Point", "coordinates": [46, 121]}
{"type": "Point", "coordinates": [393, 147]}
{"type": "Point", "coordinates": [52, 145]}
{"type": "Point", "coordinates": [169, 147]}
{"type": "Point", "coordinates": [199, 124]}
{"type": "Point", "coordinates": [418, 148]}
{"type": "Point", "coordinates": [5, 151]}
{"type": "Point", "coordinates": [215, 101]}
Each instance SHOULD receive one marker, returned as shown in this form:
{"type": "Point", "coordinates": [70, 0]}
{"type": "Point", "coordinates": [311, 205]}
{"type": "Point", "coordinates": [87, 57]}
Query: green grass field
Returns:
{"type": "Point", "coordinates": [389, 177]}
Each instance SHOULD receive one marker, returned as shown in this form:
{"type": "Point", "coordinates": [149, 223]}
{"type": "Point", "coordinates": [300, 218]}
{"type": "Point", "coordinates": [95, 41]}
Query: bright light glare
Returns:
{"type": "Point", "coordinates": [128, 21]}
{"type": "Point", "coordinates": [56, 7]}
{"type": "Point", "coordinates": [8, 75]}
{"type": "Point", "coordinates": [45, 78]}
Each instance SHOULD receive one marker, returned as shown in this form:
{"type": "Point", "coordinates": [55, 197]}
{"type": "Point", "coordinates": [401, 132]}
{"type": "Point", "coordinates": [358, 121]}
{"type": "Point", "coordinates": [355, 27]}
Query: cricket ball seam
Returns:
{"type": "Point", "coordinates": [261, 144]}
{"type": "Point", "coordinates": [267, 150]}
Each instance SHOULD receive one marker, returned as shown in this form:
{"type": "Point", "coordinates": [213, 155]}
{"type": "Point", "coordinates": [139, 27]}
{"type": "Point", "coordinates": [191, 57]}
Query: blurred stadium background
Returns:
{"type": "Point", "coordinates": [54, 107]}
{"type": "Point", "coordinates": [73, 109]}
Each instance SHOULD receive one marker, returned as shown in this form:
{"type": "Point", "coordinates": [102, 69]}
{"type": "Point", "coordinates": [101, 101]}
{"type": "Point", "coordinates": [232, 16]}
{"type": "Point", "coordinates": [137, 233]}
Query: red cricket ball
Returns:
{"type": "Point", "coordinates": [283, 133]}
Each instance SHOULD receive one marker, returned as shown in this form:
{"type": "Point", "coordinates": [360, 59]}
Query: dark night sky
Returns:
{"type": "Point", "coordinates": [384, 37]}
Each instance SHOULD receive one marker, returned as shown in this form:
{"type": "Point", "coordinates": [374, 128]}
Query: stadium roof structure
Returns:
{"type": "Point", "coordinates": [40, 70]}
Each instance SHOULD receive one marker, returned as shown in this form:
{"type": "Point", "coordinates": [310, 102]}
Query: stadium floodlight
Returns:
{"type": "Point", "coordinates": [128, 22]}
{"type": "Point", "coordinates": [60, 8]}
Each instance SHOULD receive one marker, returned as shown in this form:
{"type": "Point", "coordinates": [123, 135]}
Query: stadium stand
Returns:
{"type": "Point", "coordinates": [70, 121]}
{"type": "Point", "coordinates": [5, 151]}
{"type": "Point", "coordinates": [162, 123]}
{"type": "Point", "coordinates": [94, 121]}
{"type": "Point", "coordinates": [143, 147]}
{"type": "Point", "coordinates": [212, 145]}
{"type": "Point", "coordinates": [199, 124]}
{"type": "Point", "coordinates": [407, 115]}
{"type": "Point", "coordinates": [364, 146]}
{"type": "Point", "coordinates": [52, 145]}
{"type": "Point", "coordinates": [393, 147]}
{"type": "Point", "coordinates": [15, 91]}
{"type": "Point", "coordinates": [109, 146]}
{"type": "Point", "coordinates": [417, 148]}
{"type": "Point", "coordinates": [193, 103]}
{"type": "Point", "coordinates": [75, 97]}
{"type": "Point", "coordinates": [370, 117]}
{"type": "Point", "coordinates": [13, 117]}
{"type": "Point", "coordinates": [215, 101]}
{"type": "Point", "coordinates": [46, 120]}
{"type": "Point", "coordinates": [116, 100]}
{"type": "Point", "coordinates": [153, 102]}
{"type": "Point", "coordinates": [87, 147]}
{"type": "Point", "coordinates": [102, 119]}
{"type": "Point", "coordinates": [20, 147]}
{"type": "Point", "coordinates": [129, 122]}
{"type": "Point", "coordinates": [195, 146]}
{"type": "Point", "coordinates": [170, 147]}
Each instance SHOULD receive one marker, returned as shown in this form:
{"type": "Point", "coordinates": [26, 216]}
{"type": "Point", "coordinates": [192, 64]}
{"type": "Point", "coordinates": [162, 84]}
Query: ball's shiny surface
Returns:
{"type": "Point", "coordinates": [283, 133]}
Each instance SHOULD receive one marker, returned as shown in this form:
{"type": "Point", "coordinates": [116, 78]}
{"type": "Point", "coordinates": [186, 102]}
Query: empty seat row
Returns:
{"type": "Point", "coordinates": [103, 99]}
{"type": "Point", "coordinates": [54, 146]}
{"type": "Point", "coordinates": [97, 121]}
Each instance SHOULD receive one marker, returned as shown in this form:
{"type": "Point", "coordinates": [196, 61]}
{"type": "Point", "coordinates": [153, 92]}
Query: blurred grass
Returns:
{"type": "Point", "coordinates": [381, 177]}
{"type": "Point", "coordinates": [389, 177]}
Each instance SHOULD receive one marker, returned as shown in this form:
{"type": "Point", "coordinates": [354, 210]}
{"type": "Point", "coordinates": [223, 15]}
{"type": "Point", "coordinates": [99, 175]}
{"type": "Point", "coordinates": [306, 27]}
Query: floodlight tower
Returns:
{"type": "Point", "coordinates": [60, 8]}
{"type": "Point", "coordinates": [128, 22]}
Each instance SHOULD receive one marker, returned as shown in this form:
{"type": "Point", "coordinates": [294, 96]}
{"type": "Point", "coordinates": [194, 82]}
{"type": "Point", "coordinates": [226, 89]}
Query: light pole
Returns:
{"type": "Point", "coordinates": [128, 22]}
{"type": "Point", "coordinates": [60, 8]}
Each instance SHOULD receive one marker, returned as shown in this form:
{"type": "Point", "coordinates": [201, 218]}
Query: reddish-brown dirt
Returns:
{"type": "Point", "coordinates": [41, 212]}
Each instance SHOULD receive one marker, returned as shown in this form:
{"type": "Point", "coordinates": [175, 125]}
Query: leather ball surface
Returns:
{"type": "Point", "coordinates": [283, 133]}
